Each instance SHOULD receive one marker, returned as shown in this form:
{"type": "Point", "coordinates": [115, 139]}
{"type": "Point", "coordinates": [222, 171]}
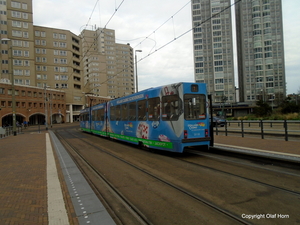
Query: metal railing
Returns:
{"type": "Point", "coordinates": [8, 131]}
{"type": "Point", "coordinates": [286, 128]}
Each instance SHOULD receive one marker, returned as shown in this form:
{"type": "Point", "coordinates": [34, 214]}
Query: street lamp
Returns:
{"type": "Point", "coordinates": [12, 86]}
{"type": "Point", "coordinates": [136, 74]}
{"type": "Point", "coordinates": [50, 98]}
{"type": "Point", "coordinates": [46, 106]}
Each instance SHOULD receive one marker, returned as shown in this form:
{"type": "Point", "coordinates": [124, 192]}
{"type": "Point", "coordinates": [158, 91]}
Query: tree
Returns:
{"type": "Point", "coordinates": [289, 106]}
{"type": "Point", "coordinates": [263, 109]}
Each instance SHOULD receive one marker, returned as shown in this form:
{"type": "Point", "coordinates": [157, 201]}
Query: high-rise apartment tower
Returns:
{"type": "Point", "coordinates": [213, 48]}
{"type": "Point", "coordinates": [108, 66]}
{"type": "Point", "coordinates": [260, 49]}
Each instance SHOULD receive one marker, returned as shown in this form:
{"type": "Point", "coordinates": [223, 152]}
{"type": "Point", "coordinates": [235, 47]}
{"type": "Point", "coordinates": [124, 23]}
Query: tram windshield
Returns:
{"type": "Point", "coordinates": [171, 106]}
{"type": "Point", "coordinates": [194, 106]}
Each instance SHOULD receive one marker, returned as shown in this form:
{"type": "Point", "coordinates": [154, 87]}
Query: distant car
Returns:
{"type": "Point", "coordinates": [217, 121]}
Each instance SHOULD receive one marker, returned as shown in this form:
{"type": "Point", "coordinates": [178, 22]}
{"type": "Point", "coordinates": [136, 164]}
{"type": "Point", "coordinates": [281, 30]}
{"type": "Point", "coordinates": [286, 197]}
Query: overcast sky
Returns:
{"type": "Point", "coordinates": [160, 29]}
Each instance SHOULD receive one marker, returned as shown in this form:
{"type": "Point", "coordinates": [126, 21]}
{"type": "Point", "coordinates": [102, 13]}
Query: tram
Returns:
{"type": "Point", "coordinates": [169, 118]}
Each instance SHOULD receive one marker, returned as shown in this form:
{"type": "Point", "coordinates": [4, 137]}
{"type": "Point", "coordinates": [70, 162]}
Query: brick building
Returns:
{"type": "Point", "coordinates": [31, 105]}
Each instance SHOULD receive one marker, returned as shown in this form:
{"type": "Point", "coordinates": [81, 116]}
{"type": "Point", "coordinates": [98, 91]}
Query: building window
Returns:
{"type": "Point", "coordinates": [17, 53]}
{"type": "Point", "coordinates": [25, 16]}
{"type": "Point", "coordinates": [18, 81]}
{"type": "Point", "coordinates": [24, 6]}
{"type": "Point", "coordinates": [16, 14]}
{"type": "Point", "coordinates": [268, 54]}
{"type": "Point", "coordinates": [16, 5]}
{"type": "Point", "coordinates": [25, 35]}
{"type": "Point", "coordinates": [218, 69]}
{"type": "Point", "coordinates": [17, 33]}
{"type": "Point", "coordinates": [16, 24]}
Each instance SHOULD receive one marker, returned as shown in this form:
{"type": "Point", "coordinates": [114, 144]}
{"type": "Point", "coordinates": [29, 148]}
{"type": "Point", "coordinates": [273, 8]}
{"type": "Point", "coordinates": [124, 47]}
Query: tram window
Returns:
{"type": "Point", "coordinates": [171, 107]}
{"type": "Point", "coordinates": [132, 111]}
{"type": "Point", "coordinates": [124, 112]}
{"type": "Point", "coordinates": [118, 112]}
{"type": "Point", "coordinates": [85, 117]}
{"type": "Point", "coordinates": [153, 109]}
{"type": "Point", "coordinates": [94, 115]}
{"type": "Point", "coordinates": [112, 113]}
{"type": "Point", "coordinates": [142, 110]}
{"type": "Point", "coordinates": [194, 106]}
{"type": "Point", "coordinates": [100, 115]}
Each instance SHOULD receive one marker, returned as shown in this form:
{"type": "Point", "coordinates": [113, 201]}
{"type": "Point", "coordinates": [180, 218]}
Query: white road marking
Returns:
{"type": "Point", "coordinates": [57, 213]}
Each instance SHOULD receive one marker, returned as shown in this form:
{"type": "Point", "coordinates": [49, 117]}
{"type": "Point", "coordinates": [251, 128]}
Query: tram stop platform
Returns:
{"type": "Point", "coordinates": [269, 148]}
{"type": "Point", "coordinates": [40, 184]}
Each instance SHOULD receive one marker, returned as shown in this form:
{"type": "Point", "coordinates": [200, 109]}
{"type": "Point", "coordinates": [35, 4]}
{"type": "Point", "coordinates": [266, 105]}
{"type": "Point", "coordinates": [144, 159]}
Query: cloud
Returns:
{"type": "Point", "coordinates": [137, 19]}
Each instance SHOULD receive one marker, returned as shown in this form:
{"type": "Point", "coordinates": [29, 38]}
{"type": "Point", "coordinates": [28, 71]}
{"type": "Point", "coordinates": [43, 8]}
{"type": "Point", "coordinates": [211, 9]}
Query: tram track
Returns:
{"type": "Point", "coordinates": [240, 156]}
{"type": "Point", "coordinates": [243, 177]}
{"type": "Point", "coordinates": [125, 202]}
{"type": "Point", "coordinates": [128, 204]}
{"type": "Point", "coordinates": [91, 143]}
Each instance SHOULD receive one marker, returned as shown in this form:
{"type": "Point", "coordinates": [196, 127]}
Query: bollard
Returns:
{"type": "Point", "coordinates": [286, 131]}
{"type": "Point", "coordinates": [262, 129]}
{"type": "Point", "coordinates": [242, 127]}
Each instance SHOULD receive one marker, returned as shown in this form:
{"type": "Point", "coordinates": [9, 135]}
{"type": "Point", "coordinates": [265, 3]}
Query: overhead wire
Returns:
{"type": "Point", "coordinates": [153, 32]}
{"type": "Point", "coordinates": [116, 9]}
{"type": "Point", "coordinates": [114, 13]}
{"type": "Point", "coordinates": [146, 38]}
{"type": "Point", "coordinates": [184, 33]}
{"type": "Point", "coordinates": [175, 38]}
{"type": "Point", "coordinates": [69, 65]}
{"type": "Point", "coordinates": [82, 58]}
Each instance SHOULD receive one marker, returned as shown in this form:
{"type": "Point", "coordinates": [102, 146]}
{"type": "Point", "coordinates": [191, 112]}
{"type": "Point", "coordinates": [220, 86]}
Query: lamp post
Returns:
{"type": "Point", "coordinates": [136, 74]}
{"type": "Point", "coordinates": [13, 95]}
{"type": "Point", "coordinates": [46, 106]}
{"type": "Point", "coordinates": [50, 97]}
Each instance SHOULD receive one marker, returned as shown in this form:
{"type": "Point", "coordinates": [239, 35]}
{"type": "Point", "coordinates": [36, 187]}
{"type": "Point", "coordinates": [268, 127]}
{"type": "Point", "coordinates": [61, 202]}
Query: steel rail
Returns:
{"type": "Point", "coordinates": [244, 178]}
{"type": "Point", "coordinates": [127, 204]}
{"type": "Point", "coordinates": [182, 190]}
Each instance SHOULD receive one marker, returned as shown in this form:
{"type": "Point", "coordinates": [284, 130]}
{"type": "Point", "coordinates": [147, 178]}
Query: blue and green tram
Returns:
{"type": "Point", "coordinates": [85, 122]}
{"type": "Point", "coordinates": [169, 118]}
